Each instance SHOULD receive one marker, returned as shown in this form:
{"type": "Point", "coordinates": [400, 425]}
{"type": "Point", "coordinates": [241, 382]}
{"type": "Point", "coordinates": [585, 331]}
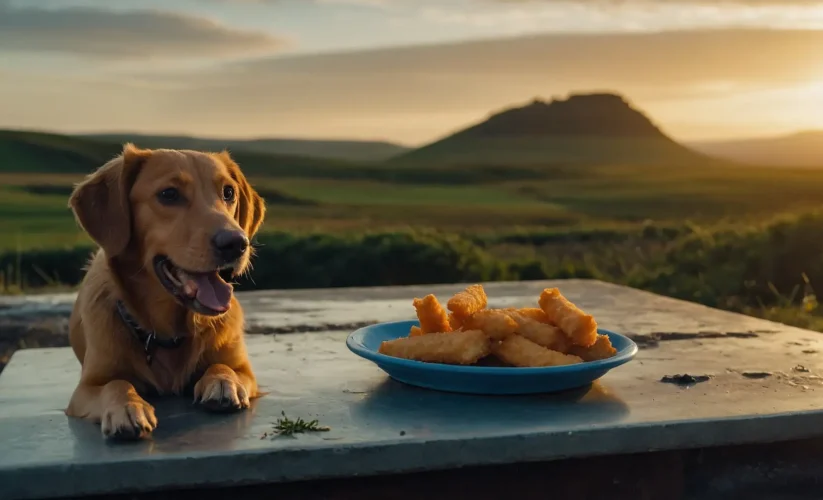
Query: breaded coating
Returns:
{"type": "Point", "coordinates": [415, 331]}
{"type": "Point", "coordinates": [601, 349]}
{"type": "Point", "coordinates": [495, 323]}
{"type": "Point", "coordinates": [455, 322]}
{"type": "Point", "coordinates": [534, 313]}
{"type": "Point", "coordinates": [548, 336]}
{"type": "Point", "coordinates": [456, 348]}
{"type": "Point", "coordinates": [430, 313]}
{"type": "Point", "coordinates": [469, 301]}
{"type": "Point", "coordinates": [581, 328]}
{"type": "Point", "coordinates": [524, 353]}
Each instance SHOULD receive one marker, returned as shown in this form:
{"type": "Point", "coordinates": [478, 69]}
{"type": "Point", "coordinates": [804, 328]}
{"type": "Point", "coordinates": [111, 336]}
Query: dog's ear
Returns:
{"type": "Point", "coordinates": [101, 202]}
{"type": "Point", "coordinates": [251, 209]}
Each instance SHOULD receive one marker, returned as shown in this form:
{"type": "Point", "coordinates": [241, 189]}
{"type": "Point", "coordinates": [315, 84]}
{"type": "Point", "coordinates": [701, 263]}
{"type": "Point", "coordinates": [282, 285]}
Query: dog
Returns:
{"type": "Point", "coordinates": [154, 314]}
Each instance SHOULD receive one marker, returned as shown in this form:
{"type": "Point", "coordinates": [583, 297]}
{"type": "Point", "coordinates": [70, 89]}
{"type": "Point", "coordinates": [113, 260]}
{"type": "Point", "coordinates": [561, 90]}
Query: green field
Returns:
{"type": "Point", "coordinates": [33, 212]}
{"type": "Point", "coordinates": [716, 233]}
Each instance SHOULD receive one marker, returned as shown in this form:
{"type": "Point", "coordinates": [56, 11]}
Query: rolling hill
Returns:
{"type": "Point", "coordinates": [355, 151]}
{"type": "Point", "coordinates": [520, 143]}
{"type": "Point", "coordinates": [803, 149]}
{"type": "Point", "coordinates": [38, 152]}
{"type": "Point", "coordinates": [25, 152]}
{"type": "Point", "coordinates": [582, 129]}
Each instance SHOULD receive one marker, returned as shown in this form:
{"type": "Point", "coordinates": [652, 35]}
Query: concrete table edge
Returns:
{"type": "Point", "coordinates": [392, 457]}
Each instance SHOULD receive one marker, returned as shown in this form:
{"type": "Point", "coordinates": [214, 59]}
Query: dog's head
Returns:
{"type": "Point", "coordinates": [186, 215]}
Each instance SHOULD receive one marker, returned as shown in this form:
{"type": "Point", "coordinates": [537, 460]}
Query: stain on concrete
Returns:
{"type": "Point", "coordinates": [685, 379]}
{"type": "Point", "coordinates": [257, 329]}
{"type": "Point", "coordinates": [649, 340]}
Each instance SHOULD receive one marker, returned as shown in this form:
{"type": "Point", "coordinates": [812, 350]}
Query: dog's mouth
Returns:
{"type": "Point", "coordinates": [202, 292]}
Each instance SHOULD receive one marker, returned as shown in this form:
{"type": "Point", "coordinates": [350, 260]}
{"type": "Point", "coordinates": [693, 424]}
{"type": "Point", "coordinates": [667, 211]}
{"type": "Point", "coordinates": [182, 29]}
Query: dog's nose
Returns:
{"type": "Point", "coordinates": [229, 245]}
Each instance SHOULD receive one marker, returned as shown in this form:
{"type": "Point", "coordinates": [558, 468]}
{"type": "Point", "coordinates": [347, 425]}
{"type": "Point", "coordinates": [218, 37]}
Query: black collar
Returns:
{"type": "Point", "coordinates": [148, 339]}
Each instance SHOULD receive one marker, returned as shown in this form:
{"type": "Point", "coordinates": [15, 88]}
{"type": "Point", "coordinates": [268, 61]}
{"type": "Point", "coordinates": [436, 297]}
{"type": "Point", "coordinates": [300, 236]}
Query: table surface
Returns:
{"type": "Point", "coordinates": [763, 387]}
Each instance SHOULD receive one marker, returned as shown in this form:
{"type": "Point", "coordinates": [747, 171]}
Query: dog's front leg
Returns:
{"type": "Point", "coordinates": [117, 406]}
{"type": "Point", "coordinates": [222, 388]}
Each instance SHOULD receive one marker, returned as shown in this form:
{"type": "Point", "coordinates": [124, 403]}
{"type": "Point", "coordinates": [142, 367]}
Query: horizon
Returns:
{"type": "Point", "coordinates": [184, 135]}
{"type": "Point", "coordinates": [400, 71]}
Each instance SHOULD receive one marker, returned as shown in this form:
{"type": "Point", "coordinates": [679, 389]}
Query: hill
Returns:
{"type": "Point", "coordinates": [39, 152]}
{"type": "Point", "coordinates": [356, 151]}
{"type": "Point", "coordinates": [26, 152]}
{"type": "Point", "coordinates": [803, 149]}
{"type": "Point", "coordinates": [582, 129]}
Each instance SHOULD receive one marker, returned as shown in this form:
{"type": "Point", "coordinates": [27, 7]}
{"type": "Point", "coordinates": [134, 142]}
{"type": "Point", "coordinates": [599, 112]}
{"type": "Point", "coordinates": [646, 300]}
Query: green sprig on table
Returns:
{"type": "Point", "coordinates": [287, 427]}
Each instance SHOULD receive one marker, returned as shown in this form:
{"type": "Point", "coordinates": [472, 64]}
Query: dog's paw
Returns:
{"type": "Point", "coordinates": [134, 420]}
{"type": "Point", "coordinates": [221, 393]}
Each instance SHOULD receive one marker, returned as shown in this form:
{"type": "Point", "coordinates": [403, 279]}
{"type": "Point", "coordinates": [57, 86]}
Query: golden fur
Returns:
{"type": "Point", "coordinates": [118, 207]}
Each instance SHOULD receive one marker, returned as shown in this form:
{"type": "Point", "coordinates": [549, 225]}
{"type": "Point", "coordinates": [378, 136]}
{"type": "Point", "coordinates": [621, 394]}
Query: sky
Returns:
{"type": "Point", "coordinates": [407, 71]}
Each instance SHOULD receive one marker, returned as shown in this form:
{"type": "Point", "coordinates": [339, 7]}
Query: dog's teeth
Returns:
{"type": "Point", "coordinates": [170, 275]}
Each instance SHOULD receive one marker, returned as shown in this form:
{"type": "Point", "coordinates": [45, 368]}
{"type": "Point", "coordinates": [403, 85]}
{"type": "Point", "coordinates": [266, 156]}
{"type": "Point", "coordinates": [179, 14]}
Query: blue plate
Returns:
{"type": "Point", "coordinates": [365, 342]}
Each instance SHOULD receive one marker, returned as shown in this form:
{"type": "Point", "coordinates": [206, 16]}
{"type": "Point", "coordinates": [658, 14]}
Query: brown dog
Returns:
{"type": "Point", "coordinates": [153, 314]}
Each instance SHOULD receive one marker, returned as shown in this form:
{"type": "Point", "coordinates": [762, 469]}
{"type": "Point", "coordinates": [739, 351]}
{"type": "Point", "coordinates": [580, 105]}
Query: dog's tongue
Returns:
{"type": "Point", "coordinates": [212, 291]}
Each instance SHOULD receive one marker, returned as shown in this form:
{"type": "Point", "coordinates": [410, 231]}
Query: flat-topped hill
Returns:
{"type": "Point", "coordinates": [597, 128]}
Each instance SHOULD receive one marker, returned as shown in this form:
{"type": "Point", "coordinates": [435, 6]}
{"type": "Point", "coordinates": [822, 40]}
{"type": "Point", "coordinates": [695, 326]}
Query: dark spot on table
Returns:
{"type": "Point", "coordinates": [653, 339]}
{"type": "Point", "coordinates": [685, 379]}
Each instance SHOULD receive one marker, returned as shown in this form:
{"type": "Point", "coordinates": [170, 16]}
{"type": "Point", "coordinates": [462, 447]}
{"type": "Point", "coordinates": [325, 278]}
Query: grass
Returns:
{"type": "Point", "coordinates": [29, 220]}
{"type": "Point", "coordinates": [33, 211]}
{"type": "Point", "coordinates": [366, 193]}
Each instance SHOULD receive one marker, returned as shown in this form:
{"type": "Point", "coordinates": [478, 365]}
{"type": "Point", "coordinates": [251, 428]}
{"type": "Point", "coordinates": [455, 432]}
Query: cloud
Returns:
{"type": "Point", "coordinates": [594, 2]}
{"type": "Point", "coordinates": [665, 60]}
{"type": "Point", "coordinates": [369, 3]}
{"type": "Point", "coordinates": [103, 33]}
{"type": "Point", "coordinates": [523, 16]}
{"type": "Point", "coordinates": [602, 3]}
{"type": "Point", "coordinates": [470, 79]}
{"type": "Point", "coordinates": [620, 3]}
{"type": "Point", "coordinates": [366, 3]}
{"type": "Point", "coordinates": [414, 94]}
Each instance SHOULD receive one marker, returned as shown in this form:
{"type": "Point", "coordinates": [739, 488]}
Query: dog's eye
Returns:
{"type": "Point", "coordinates": [169, 195]}
{"type": "Point", "coordinates": [228, 193]}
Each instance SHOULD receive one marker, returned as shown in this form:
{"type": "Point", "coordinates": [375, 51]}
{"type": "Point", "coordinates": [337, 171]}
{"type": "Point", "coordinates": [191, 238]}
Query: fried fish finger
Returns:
{"type": "Point", "coordinates": [415, 331]}
{"type": "Point", "coordinates": [431, 315]}
{"type": "Point", "coordinates": [496, 324]}
{"type": "Point", "coordinates": [548, 336]}
{"type": "Point", "coordinates": [534, 313]}
{"type": "Point", "coordinates": [469, 301]}
{"type": "Point", "coordinates": [519, 351]}
{"type": "Point", "coordinates": [581, 328]}
{"type": "Point", "coordinates": [601, 349]}
{"type": "Point", "coordinates": [455, 322]}
{"type": "Point", "coordinates": [456, 348]}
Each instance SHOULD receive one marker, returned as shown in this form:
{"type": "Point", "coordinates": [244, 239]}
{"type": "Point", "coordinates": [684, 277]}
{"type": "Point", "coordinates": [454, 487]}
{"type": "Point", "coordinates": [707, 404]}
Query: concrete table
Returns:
{"type": "Point", "coordinates": [762, 387]}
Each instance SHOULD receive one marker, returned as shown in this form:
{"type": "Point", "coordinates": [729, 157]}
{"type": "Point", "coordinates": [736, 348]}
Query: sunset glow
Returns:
{"type": "Point", "coordinates": [407, 71]}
